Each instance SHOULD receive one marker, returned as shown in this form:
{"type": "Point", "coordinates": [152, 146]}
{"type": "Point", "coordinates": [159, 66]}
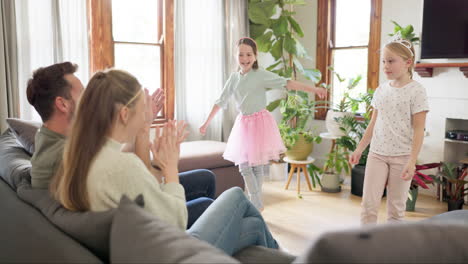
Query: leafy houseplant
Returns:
{"type": "Point", "coordinates": [343, 108]}
{"type": "Point", "coordinates": [454, 184]}
{"type": "Point", "coordinates": [335, 164]}
{"type": "Point", "coordinates": [354, 129]}
{"type": "Point", "coordinates": [405, 32]}
{"type": "Point", "coordinates": [419, 180]}
{"type": "Point", "coordinates": [276, 32]}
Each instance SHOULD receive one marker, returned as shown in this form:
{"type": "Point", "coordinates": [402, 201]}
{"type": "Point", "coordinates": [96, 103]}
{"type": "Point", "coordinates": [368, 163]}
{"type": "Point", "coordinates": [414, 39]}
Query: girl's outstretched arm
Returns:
{"type": "Point", "coordinates": [365, 140]}
{"type": "Point", "coordinates": [213, 113]}
{"type": "Point", "coordinates": [298, 86]}
{"type": "Point", "coordinates": [419, 122]}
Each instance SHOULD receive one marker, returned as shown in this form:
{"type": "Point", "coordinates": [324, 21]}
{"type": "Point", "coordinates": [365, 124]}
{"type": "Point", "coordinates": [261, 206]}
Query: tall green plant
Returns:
{"type": "Point", "coordinates": [354, 128]}
{"type": "Point", "coordinates": [276, 32]}
{"type": "Point", "coordinates": [347, 103]}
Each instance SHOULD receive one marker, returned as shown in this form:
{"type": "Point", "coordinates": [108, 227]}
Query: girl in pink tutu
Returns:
{"type": "Point", "coordinates": [255, 138]}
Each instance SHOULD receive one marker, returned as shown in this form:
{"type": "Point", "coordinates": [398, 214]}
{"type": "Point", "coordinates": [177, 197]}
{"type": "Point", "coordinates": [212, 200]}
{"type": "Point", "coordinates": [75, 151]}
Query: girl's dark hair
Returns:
{"type": "Point", "coordinates": [251, 43]}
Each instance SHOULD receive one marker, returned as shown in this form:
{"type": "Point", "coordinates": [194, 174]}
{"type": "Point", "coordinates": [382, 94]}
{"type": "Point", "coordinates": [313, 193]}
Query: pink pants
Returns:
{"type": "Point", "coordinates": [380, 171]}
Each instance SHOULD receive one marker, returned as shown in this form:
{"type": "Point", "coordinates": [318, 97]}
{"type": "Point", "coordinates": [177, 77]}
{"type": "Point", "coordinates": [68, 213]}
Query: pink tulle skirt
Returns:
{"type": "Point", "coordinates": [254, 139]}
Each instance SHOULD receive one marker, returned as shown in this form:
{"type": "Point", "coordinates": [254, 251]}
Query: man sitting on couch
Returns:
{"type": "Point", "coordinates": [54, 92]}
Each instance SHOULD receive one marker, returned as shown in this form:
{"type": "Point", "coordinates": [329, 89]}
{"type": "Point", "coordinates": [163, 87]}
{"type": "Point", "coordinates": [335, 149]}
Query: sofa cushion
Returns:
{"type": "Point", "coordinates": [140, 237]}
{"type": "Point", "coordinates": [421, 242]}
{"type": "Point", "coordinates": [258, 254]}
{"type": "Point", "coordinates": [202, 154]}
{"type": "Point", "coordinates": [25, 132]}
{"type": "Point", "coordinates": [15, 162]}
{"type": "Point", "coordinates": [92, 229]}
{"type": "Point", "coordinates": [27, 237]}
{"type": "Point", "coordinates": [457, 216]}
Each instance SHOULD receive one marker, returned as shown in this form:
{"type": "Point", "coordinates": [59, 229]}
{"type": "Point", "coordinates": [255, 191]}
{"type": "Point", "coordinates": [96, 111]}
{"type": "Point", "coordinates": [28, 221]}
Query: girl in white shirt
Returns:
{"type": "Point", "coordinates": [395, 134]}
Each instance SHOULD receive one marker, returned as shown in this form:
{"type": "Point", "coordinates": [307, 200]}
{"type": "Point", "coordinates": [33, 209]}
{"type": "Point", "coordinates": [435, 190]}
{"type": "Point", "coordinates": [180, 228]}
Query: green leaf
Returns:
{"type": "Point", "coordinates": [288, 13]}
{"type": "Point", "coordinates": [264, 42]}
{"type": "Point", "coordinates": [301, 51]}
{"type": "Point", "coordinates": [261, 12]}
{"type": "Point", "coordinates": [312, 74]}
{"type": "Point", "coordinates": [407, 31]}
{"type": "Point", "coordinates": [296, 27]}
{"type": "Point", "coordinates": [290, 44]}
{"type": "Point", "coordinates": [273, 105]}
{"type": "Point", "coordinates": [277, 49]}
{"type": "Point", "coordinates": [336, 74]}
{"type": "Point", "coordinates": [354, 82]}
{"type": "Point", "coordinates": [295, 2]}
{"type": "Point", "coordinates": [257, 30]}
{"type": "Point", "coordinates": [273, 66]}
{"type": "Point", "coordinates": [397, 27]}
{"type": "Point", "coordinates": [280, 26]}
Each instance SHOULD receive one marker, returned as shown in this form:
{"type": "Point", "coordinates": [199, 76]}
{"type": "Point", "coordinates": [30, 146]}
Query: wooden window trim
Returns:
{"type": "Point", "coordinates": [325, 35]}
{"type": "Point", "coordinates": [101, 46]}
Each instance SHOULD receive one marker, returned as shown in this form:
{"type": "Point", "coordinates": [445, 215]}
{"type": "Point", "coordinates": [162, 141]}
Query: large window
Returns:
{"type": "Point", "coordinates": [137, 36]}
{"type": "Point", "coordinates": [348, 38]}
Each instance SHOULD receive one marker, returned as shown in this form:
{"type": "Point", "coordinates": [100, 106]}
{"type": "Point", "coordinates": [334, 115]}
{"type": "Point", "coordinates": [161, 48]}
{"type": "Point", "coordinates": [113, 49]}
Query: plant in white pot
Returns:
{"type": "Point", "coordinates": [335, 164]}
{"type": "Point", "coordinates": [342, 108]}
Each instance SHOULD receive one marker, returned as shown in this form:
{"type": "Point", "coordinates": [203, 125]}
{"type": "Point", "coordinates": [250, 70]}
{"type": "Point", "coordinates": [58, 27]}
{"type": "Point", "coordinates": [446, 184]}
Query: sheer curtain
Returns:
{"type": "Point", "coordinates": [236, 26]}
{"type": "Point", "coordinates": [205, 37]}
{"type": "Point", "coordinates": [48, 32]}
{"type": "Point", "coordinates": [9, 102]}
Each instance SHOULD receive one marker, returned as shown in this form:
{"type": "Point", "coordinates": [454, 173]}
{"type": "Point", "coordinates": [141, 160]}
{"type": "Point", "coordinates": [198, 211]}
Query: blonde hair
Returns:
{"type": "Point", "coordinates": [106, 93]}
{"type": "Point", "coordinates": [404, 53]}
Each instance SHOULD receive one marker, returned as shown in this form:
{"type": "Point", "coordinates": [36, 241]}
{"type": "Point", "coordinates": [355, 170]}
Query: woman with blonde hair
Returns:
{"type": "Point", "coordinates": [96, 173]}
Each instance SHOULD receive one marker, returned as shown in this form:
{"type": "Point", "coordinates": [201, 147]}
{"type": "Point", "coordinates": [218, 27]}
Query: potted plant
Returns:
{"type": "Point", "coordinates": [335, 164]}
{"type": "Point", "coordinates": [452, 179]}
{"type": "Point", "coordinates": [296, 109]}
{"type": "Point", "coordinates": [419, 180]}
{"type": "Point", "coordinates": [343, 107]}
{"type": "Point", "coordinates": [354, 126]}
{"type": "Point", "coordinates": [277, 33]}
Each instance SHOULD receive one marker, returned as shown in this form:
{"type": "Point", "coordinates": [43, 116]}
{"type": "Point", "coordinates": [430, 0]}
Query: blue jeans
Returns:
{"type": "Point", "coordinates": [200, 190]}
{"type": "Point", "coordinates": [232, 223]}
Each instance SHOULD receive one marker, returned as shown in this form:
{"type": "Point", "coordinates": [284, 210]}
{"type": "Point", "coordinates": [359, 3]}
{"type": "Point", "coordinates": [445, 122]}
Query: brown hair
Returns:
{"type": "Point", "coordinates": [250, 42]}
{"type": "Point", "coordinates": [404, 53]}
{"type": "Point", "coordinates": [106, 92]}
{"type": "Point", "coordinates": [47, 84]}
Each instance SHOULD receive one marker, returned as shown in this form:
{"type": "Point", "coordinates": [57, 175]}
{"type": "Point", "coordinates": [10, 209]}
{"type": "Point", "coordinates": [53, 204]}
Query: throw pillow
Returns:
{"type": "Point", "coordinates": [14, 160]}
{"type": "Point", "coordinates": [140, 237]}
{"type": "Point", "coordinates": [92, 229]}
{"type": "Point", "coordinates": [421, 242]}
{"type": "Point", "coordinates": [25, 132]}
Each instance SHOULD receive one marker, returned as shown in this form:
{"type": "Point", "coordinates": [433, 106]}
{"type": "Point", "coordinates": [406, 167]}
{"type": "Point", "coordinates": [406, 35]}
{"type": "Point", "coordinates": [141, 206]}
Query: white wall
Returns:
{"type": "Point", "coordinates": [447, 90]}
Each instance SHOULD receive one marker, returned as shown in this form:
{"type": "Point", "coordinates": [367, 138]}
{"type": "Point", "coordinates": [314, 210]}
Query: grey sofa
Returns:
{"type": "Point", "coordinates": [34, 229]}
{"type": "Point", "coordinates": [208, 154]}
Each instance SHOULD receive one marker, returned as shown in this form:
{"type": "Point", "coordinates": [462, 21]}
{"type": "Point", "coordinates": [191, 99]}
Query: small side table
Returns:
{"type": "Point", "coordinates": [299, 165]}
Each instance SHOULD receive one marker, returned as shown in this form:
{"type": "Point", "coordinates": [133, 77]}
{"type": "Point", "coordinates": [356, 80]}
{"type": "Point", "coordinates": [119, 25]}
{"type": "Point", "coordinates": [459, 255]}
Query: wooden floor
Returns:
{"type": "Point", "coordinates": [295, 222]}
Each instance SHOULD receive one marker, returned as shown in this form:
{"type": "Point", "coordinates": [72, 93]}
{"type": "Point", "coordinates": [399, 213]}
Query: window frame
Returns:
{"type": "Point", "coordinates": [325, 36]}
{"type": "Point", "coordinates": [101, 47]}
